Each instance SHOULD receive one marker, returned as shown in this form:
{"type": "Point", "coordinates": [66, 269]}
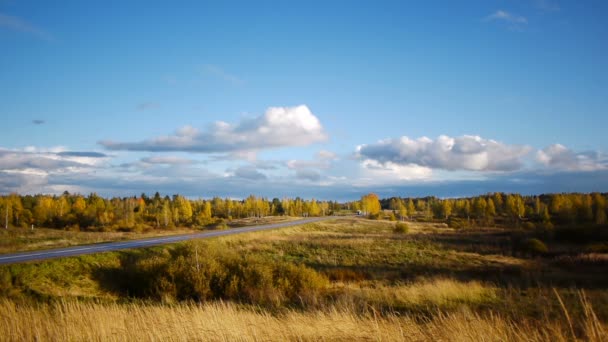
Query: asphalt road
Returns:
{"type": "Point", "coordinates": [13, 258]}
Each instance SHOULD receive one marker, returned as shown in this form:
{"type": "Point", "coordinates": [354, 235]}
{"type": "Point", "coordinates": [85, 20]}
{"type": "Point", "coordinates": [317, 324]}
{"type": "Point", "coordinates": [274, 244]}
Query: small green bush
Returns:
{"type": "Point", "coordinates": [534, 246]}
{"type": "Point", "coordinates": [401, 228]}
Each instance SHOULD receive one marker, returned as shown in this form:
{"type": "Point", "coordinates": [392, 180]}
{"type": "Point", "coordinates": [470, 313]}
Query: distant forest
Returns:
{"type": "Point", "coordinates": [92, 212]}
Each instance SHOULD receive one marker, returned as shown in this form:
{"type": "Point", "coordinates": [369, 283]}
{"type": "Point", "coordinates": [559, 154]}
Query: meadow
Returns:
{"type": "Point", "coordinates": [343, 279]}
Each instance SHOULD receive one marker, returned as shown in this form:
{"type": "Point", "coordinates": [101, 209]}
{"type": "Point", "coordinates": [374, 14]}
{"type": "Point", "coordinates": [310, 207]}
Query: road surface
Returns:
{"type": "Point", "coordinates": [13, 258]}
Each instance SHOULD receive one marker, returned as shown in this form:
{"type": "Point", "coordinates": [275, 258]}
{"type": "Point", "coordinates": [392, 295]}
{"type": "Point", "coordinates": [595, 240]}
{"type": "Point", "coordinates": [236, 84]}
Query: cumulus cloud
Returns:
{"type": "Point", "coordinates": [20, 25]}
{"type": "Point", "coordinates": [559, 157]}
{"type": "Point", "coordinates": [471, 153]}
{"type": "Point", "coordinates": [278, 127]}
{"type": "Point", "coordinates": [387, 172]}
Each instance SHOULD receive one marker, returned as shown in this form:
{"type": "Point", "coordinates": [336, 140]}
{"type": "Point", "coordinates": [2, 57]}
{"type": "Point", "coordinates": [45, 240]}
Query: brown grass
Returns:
{"type": "Point", "coordinates": [74, 321]}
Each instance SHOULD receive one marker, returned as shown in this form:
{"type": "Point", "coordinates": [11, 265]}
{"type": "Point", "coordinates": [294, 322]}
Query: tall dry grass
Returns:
{"type": "Point", "coordinates": [77, 321]}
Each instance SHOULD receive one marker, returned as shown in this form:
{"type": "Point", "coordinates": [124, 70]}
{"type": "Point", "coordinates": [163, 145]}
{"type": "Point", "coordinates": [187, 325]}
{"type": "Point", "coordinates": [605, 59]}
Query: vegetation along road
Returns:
{"type": "Point", "coordinates": [12, 258]}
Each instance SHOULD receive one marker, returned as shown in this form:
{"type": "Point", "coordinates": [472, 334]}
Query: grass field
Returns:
{"type": "Point", "coordinates": [343, 279]}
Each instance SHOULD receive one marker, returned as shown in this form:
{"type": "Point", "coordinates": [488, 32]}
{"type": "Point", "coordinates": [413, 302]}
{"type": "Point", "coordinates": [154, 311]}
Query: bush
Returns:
{"type": "Point", "coordinates": [457, 223]}
{"type": "Point", "coordinates": [207, 271]}
{"type": "Point", "coordinates": [534, 246]}
{"type": "Point", "coordinates": [219, 224]}
{"type": "Point", "coordinates": [401, 228]}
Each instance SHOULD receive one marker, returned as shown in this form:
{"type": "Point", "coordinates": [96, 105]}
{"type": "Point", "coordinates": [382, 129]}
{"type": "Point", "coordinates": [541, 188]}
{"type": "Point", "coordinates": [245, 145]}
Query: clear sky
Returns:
{"type": "Point", "coordinates": [323, 99]}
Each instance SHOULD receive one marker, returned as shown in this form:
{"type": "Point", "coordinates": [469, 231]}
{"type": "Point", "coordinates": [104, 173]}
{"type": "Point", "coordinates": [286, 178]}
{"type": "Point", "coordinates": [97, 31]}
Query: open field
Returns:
{"type": "Point", "coordinates": [348, 278]}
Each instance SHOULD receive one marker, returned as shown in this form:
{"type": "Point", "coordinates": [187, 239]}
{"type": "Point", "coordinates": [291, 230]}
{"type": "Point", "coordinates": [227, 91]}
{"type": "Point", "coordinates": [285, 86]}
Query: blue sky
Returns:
{"type": "Point", "coordinates": [327, 99]}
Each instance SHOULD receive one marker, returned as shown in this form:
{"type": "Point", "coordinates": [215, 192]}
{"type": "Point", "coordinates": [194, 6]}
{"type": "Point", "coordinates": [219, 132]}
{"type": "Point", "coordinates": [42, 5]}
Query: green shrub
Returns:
{"type": "Point", "coordinates": [207, 271]}
{"type": "Point", "coordinates": [401, 228]}
{"type": "Point", "coordinates": [534, 246]}
{"type": "Point", "coordinates": [391, 217]}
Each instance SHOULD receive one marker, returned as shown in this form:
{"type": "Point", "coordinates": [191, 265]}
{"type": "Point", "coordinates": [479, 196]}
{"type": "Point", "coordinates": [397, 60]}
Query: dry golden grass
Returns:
{"type": "Point", "coordinates": [440, 293]}
{"type": "Point", "coordinates": [74, 321]}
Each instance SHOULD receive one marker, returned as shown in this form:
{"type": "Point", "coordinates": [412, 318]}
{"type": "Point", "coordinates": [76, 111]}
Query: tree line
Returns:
{"type": "Point", "coordinates": [75, 211]}
{"type": "Point", "coordinates": [512, 209]}
{"type": "Point", "coordinates": [93, 212]}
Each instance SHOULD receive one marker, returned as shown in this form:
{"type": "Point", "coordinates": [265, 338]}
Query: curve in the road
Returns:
{"type": "Point", "coordinates": [19, 257]}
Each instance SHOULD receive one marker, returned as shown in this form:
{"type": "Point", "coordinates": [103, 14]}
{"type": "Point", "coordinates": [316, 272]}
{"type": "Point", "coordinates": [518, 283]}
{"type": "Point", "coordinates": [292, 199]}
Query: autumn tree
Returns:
{"type": "Point", "coordinates": [370, 204]}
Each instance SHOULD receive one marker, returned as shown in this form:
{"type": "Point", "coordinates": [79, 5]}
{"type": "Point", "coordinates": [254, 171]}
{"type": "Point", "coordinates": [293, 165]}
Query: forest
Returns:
{"type": "Point", "coordinates": [96, 213]}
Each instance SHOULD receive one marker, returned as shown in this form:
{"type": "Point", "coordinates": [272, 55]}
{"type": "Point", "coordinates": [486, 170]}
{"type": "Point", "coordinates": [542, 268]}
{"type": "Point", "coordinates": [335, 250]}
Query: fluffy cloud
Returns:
{"type": "Point", "coordinates": [376, 172]}
{"type": "Point", "coordinates": [559, 157]}
{"type": "Point", "coordinates": [278, 127]}
{"type": "Point", "coordinates": [471, 153]}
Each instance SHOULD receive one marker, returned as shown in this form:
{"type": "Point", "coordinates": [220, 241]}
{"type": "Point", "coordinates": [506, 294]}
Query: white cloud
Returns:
{"type": "Point", "coordinates": [278, 127]}
{"type": "Point", "coordinates": [20, 25]}
{"type": "Point", "coordinates": [471, 153]}
{"type": "Point", "coordinates": [560, 158]}
{"type": "Point", "coordinates": [376, 172]}
{"type": "Point", "coordinates": [28, 170]}
{"type": "Point", "coordinates": [505, 16]}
